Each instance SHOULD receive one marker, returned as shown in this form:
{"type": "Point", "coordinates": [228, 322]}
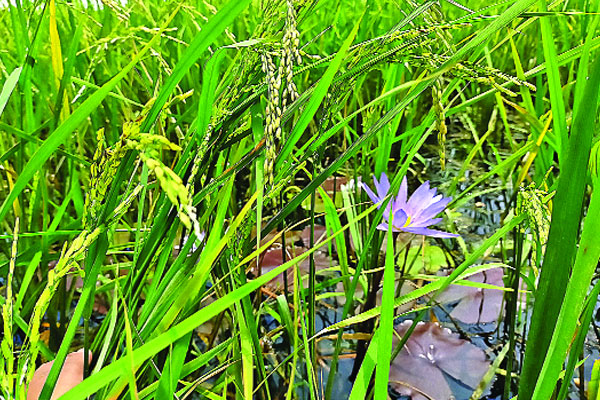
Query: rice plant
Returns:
{"type": "Point", "coordinates": [299, 199]}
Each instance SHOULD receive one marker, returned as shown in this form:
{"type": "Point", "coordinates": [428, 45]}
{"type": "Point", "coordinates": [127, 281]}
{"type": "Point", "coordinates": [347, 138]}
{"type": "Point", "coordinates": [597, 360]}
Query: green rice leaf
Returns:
{"type": "Point", "coordinates": [558, 259]}
{"type": "Point", "coordinates": [61, 133]}
{"type": "Point", "coordinates": [8, 87]}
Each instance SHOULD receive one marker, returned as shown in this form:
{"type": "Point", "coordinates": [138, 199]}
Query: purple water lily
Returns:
{"type": "Point", "coordinates": [414, 214]}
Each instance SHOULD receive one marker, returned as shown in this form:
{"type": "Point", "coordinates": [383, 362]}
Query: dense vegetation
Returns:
{"type": "Point", "coordinates": [196, 194]}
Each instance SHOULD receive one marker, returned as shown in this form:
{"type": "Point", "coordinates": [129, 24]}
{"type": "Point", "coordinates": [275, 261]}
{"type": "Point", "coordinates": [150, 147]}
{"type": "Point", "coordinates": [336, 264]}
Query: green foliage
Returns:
{"type": "Point", "coordinates": [154, 154]}
{"type": "Point", "coordinates": [428, 260]}
{"type": "Point", "coordinates": [562, 289]}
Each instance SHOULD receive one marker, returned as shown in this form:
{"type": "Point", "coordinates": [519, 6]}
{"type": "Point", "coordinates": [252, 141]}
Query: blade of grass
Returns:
{"type": "Point", "coordinates": [586, 261]}
{"type": "Point", "coordinates": [193, 365]}
{"type": "Point", "coordinates": [214, 245]}
{"type": "Point", "coordinates": [562, 245]}
{"type": "Point", "coordinates": [61, 133]}
{"type": "Point", "coordinates": [56, 55]}
{"type": "Point", "coordinates": [207, 95]}
{"type": "Point", "coordinates": [309, 360]}
{"type": "Point", "coordinates": [587, 314]}
{"type": "Point", "coordinates": [113, 371]}
{"type": "Point", "coordinates": [583, 66]}
{"type": "Point", "coordinates": [167, 384]}
{"type": "Point", "coordinates": [293, 327]}
{"type": "Point", "coordinates": [593, 392]}
{"type": "Point", "coordinates": [9, 87]}
{"type": "Point", "coordinates": [7, 342]}
{"type": "Point", "coordinates": [33, 264]}
{"type": "Point", "coordinates": [317, 97]}
{"type": "Point", "coordinates": [210, 31]}
{"type": "Point", "coordinates": [98, 247]}
{"type": "Point", "coordinates": [386, 326]}
{"type": "Point", "coordinates": [557, 102]}
{"type": "Point", "coordinates": [361, 383]}
{"type": "Point", "coordinates": [130, 368]}
{"type": "Point", "coordinates": [112, 318]}
{"type": "Point", "coordinates": [332, 220]}
{"type": "Point", "coordinates": [62, 99]}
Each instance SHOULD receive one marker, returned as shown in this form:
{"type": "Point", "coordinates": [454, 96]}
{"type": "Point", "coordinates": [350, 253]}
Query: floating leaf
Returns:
{"type": "Point", "coordinates": [272, 258]}
{"type": "Point", "coordinates": [476, 305]}
{"type": "Point", "coordinates": [290, 237]}
{"type": "Point", "coordinates": [431, 353]}
{"type": "Point", "coordinates": [361, 296]}
{"type": "Point", "coordinates": [70, 375]}
{"type": "Point", "coordinates": [430, 259]}
{"type": "Point", "coordinates": [320, 234]}
{"type": "Point", "coordinates": [333, 187]}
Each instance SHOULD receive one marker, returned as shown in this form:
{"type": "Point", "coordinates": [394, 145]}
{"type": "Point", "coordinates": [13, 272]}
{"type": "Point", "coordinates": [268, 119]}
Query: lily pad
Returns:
{"type": "Point", "coordinates": [272, 258]}
{"type": "Point", "coordinates": [476, 305]}
{"type": "Point", "coordinates": [429, 260]}
{"type": "Point", "coordinates": [70, 376]}
{"type": "Point", "coordinates": [431, 354]}
{"type": "Point", "coordinates": [333, 187]}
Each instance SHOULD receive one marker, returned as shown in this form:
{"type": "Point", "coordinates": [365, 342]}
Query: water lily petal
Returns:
{"type": "Point", "coordinates": [383, 226]}
{"type": "Point", "coordinates": [434, 209]}
{"type": "Point", "coordinates": [434, 198]}
{"type": "Point", "coordinates": [383, 186]}
{"type": "Point", "coordinates": [400, 219]}
{"type": "Point", "coordinates": [424, 223]}
{"type": "Point", "coordinates": [419, 199]}
{"type": "Point", "coordinates": [430, 198]}
{"type": "Point", "coordinates": [402, 194]}
{"type": "Point", "coordinates": [370, 193]}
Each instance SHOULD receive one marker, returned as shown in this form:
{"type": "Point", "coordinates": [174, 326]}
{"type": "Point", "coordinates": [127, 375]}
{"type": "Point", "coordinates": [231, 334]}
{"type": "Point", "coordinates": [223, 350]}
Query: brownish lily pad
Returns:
{"type": "Point", "coordinates": [70, 376]}
{"type": "Point", "coordinates": [476, 305]}
{"type": "Point", "coordinates": [320, 235]}
{"type": "Point", "coordinates": [430, 355]}
{"type": "Point", "coordinates": [272, 258]}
